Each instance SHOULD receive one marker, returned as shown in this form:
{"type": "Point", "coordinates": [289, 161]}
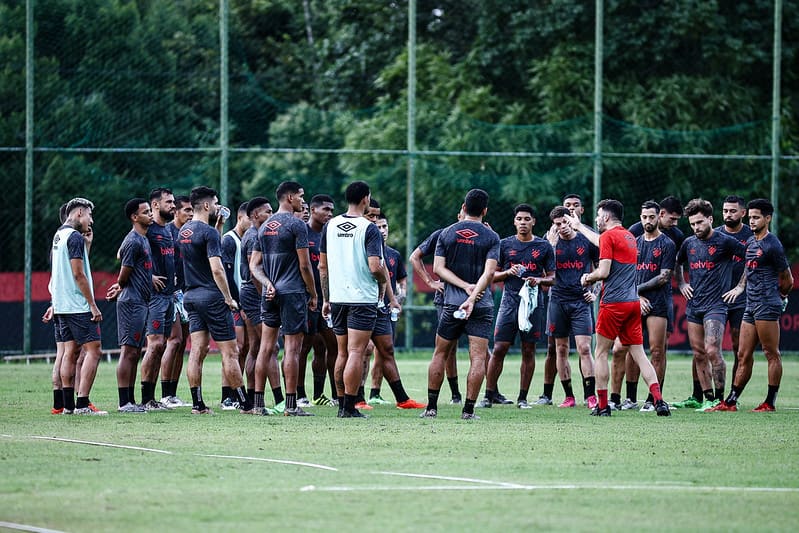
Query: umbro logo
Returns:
{"type": "Point", "coordinates": [273, 225]}
{"type": "Point", "coordinates": [467, 233]}
{"type": "Point", "coordinates": [346, 226]}
{"type": "Point", "coordinates": [186, 233]}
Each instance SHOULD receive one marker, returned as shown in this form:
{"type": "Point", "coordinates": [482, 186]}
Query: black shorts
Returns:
{"type": "Point", "coordinates": [208, 312]}
{"type": "Point", "coordinates": [361, 317]}
{"type": "Point", "coordinates": [315, 322]}
{"type": "Point", "coordinates": [700, 317]}
{"type": "Point", "coordinates": [160, 315]}
{"type": "Point", "coordinates": [770, 312]}
{"type": "Point", "coordinates": [383, 323]}
{"type": "Point", "coordinates": [734, 317]}
{"type": "Point", "coordinates": [287, 311]}
{"type": "Point", "coordinates": [250, 302]}
{"type": "Point", "coordinates": [569, 318]}
{"type": "Point", "coordinates": [77, 327]}
{"type": "Point", "coordinates": [507, 325]}
{"type": "Point", "coordinates": [131, 323]}
{"type": "Point", "coordinates": [477, 325]}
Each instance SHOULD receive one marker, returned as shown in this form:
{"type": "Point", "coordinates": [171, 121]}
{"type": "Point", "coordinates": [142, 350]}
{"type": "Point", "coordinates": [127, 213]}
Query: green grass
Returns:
{"type": "Point", "coordinates": [546, 468]}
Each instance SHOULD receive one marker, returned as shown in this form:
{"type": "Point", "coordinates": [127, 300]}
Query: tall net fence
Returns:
{"type": "Point", "coordinates": [128, 96]}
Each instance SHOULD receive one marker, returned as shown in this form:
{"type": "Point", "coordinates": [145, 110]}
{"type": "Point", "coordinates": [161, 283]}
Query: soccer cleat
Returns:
{"type": "Point", "coordinates": [662, 408]}
{"type": "Point", "coordinates": [96, 410]}
{"type": "Point", "coordinates": [628, 405]}
{"type": "Point", "coordinates": [173, 401]}
{"type": "Point", "coordinates": [764, 408]}
{"type": "Point", "coordinates": [456, 400]}
{"type": "Point", "coordinates": [152, 405]}
{"type": "Point", "coordinates": [67, 411]}
{"type": "Point", "coordinates": [568, 402]}
{"type": "Point", "coordinates": [264, 411]}
{"type": "Point", "coordinates": [543, 400]}
{"type": "Point", "coordinates": [707, 405]}
{"type": "Point", "coordinates": [613, 405]}
{"type": "Point", "coordinates": [724, 406]}
{"type": "Point", "coordinates": [688, 403]}
{"type": "Point", "coordinates": [229, 405]}
{"type": "Point", "coordinates": [605, 411]}
{"type": "Point", "coordinates": [522, 404]}
{"type": "Point", "coordinates": [343, 413]}
{"type": "Point", "coordinates": [297, 411]}
{"type": "Point", "coordinates": [410, 403]}
{"type": "Point", "coordinates": [90, 411]}
{"type": "Point", "coordinates": [131, 407]}
{"type": "Point", "coordinates": [55, 411]}
{"type": "Point", "coordinates": [429, 413]}
{"type": "Point", "coordinates": [322, 400]}
{"type": "Point", "coordinates": [484, 403]}
{"type": "Point", "coordinates": [303, 402]}
{"type": "Point", "coordinates": [591, 402]}
{"type": "Point", "coordinates": [648, 407]}
{"type": "Point", "coordinates": [469, 416]}
{"type": "Point", "coordinates": [501, 400]}
{"type": "Point", "coordinates": [279, 408]}
{"type": "Point", "coordinates": [203, 411]}
{"type": "Point", "coordinates": [377, 400]}
{"type": "Point", "coordinates": [363, 405]}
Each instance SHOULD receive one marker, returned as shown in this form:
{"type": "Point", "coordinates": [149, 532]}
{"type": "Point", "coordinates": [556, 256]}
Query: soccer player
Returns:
{"type": "Point", "coordinates": [161, 309]}
{"type": "Point", "coordinates": [466, 258]}
{"type": "Point", "coordinates": [282, 265]}
{"type": "Point", "coordinates": [525, 261]}
{"type": "Point", "coordinates": [353, 278]}
{"type": "Point", "coordinates": [172, 360]}
{"type": "Point", "coordinates": [570, 312]}
{"type": "Point", "coordinates": [208, 299]}
{"type": "Point", "coordinates": [619, 306]}
{"type": "Point", "coordinates": [133, 292]}
{"type": "Point", "coordinates": [768, 282]}
{"type": "Point", "coordinates": [734, 209]}
{"type": "Point", "coordinates": [75, 313]}
{"type": "Point", "coordinates": [709, 257]}
{"type": "Point", "coordinates": [258, 211]}
{"type": "Point", "coordinates": [654, 269]}
{"type": "Point", "coordinates": [428, 247]}
{"type": "Point", "coordinates": [669, 215]}
{"type": "Point", "coordinates": [320, 337]}
{"type": "Point", "coordinates": [231, 260]}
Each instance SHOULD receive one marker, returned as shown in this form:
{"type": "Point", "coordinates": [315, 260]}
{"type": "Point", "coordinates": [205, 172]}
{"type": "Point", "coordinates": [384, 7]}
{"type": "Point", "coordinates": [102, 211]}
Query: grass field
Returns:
{"type": "Point", "coordinates": [542, 469]}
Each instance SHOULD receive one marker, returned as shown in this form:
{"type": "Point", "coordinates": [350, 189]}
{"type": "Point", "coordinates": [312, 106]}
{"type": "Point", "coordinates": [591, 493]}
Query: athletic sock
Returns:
{"type": "Point", "coordinates": [360, 395]}
{"type": "Point", "coordinates": [197, 398]}
{"type": "Point", "coordinates": [258, 398]}
{"type": "Point", "coordinates": [58, 398]}
{"type": "Point", "coordinates": [291, 400]}
{"type": "Point", "coordinates": [697, 394]}
{"type": "Point", "coordinates": [522, 396]}
{"type": "Point", "coordinates": [468, 406]}
{"type": "Point", "coordinates": [124, 399]}
{"type": "Point", "coordinates": [735, 393]}
{"type": "Point", "coordinates": [615, 397]}
{"type": "Point", "coordinates": [567, 388]}
{"type": "Point", "coordinates": [132, 394]}
{"type": "Point", "coordinates": [654, 390]}
{"type": "Point", "coordinates": [147, 391]}
{"type": "Point", "coordinates": [453, 386]}
{"type": "Point", "coordinates": [602, 394]}
{"type": "Point", "coordinates": [318, 385]}
{"type": "Point", "coordinates": [227, 392]}
{"type": "Point", "coordinates": [251, 396]}
{"type": "Point", "coordinates": [632, 391]}
{"type": "Point", "coordinates": [83, 402]}
{"type": "Point", "coordinates": [719, 394]}
{"type": "Point", "coordinates": [374, 393]}
{"type": "Point", "coordinates": [301, 391]}
{"type": "Point", "coordinates": [69, 398]}
{"type": "Point", "coordinates": [277, 392]}
{"type": "Point", "coordinates": [432, 398]}
{"type": "Point", "coordinates": [650, 398]}
{"type": "Point", "coordinates": [708, 395]}
{"type": "Point", "coordinates": [771, 397]}
{"type": "Point", "coordinates": [173, 387]}
{"type": "Point", "coordinates": [165, 389]}
{"type": "Point", "coordinates": [548, 389]}
{"type": "Point", "coordinates": [349, 402]}
{"type": "Point", "coordinates": [589, 386]}
{"type": "Point", "coordinates": [244, 403]}
{"type": "Point", "coordinates": [399, 391]}
{"type": "Point", "coordinates": [490, 394]}
{"type": "Point", "coordinates": [331, 376]}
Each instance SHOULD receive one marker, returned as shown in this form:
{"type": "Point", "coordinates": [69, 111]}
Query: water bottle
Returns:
{"type": "Point", "coordinates": [522, 270]}
{"type": "Point", "coordinates": [460, 314]}
{"type": "Point", "coordinates": [394, 314]}
{"type": "Point", "coordinates": [329, 321]}
{"type": "Point", "coordinates": [224, 213]}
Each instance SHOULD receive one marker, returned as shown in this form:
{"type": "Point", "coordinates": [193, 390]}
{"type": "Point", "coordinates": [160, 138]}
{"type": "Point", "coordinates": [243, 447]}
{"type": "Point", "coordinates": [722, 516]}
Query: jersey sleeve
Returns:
{"type": "Point", "coordinates": [75, 245]}
{"type": "Point", "coordinates": [300, 232]}
{"type": "Point", "coordinates": [606, 246]}
{"type": "Point", "coordinates": [128, 253]}
{"type": "Point", "coordinates": [373, 242]}
{"type": "Point", "coordinates": [493, 251]}
{"type": "Point", "coordinates": [228, 250]}
{"type": "Point", "coordinates": [323, 241]}
{"type": "Point", "coordinates": [669, 255]}
{"type": "Point", "coordinates": [401, 272]}
{"type": "Point", "coordinates": [213, 243]}
{"type": "Point", "coordinates": [428, 246]}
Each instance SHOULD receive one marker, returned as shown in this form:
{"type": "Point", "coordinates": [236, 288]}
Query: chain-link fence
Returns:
{"type": "Point", "coordinates": [242, 95]}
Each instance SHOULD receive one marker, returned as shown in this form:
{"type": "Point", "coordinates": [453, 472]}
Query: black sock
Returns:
{"type": "Point", "coordinates": [589, 386]}
{"type": "Point", "coordinates": [349, 402]}
{"type": "Point", "coordinates": [291, 400]}
{"type": "Point", "coordinates": [318, 385]}
{"type": "Point", "coordinates": [719, 394]}
{"type": "Point", "coordinates": [258, 400]}
{"type": "Point", "coordinates": [650, 398]}
{"type": "Point", "coordinates": [615, 397]}
{"type": "Point", "coordinates": [277, 392]}
{"type": "Point", "coordinates": [360, 396]}
{"type": "Point", "coordinates": [490, 394]}
{"type": "Point", "coordinates": [432, 398]}
{"type": "Point", "coordinates": [735, 393]}
{"type": "Point", "coordinates": [83, 402]}
{"type": "Point", "coordinates": [468, 406]}
{"type": "Point", "coordinates": [332, 378]}
{"type": "Point", "coordinates": [244, 402]}
{"type": "Point", "coordinates": [399, 391]}
{"type": "Point", "coordinates": [708, 395]}
{"type": "Point", "coordinates": [453, 386]}
{"type": "Point", "coordinates": [548, 389]}
{"type": "Point", "coordinates": [197, 398]}
{"type": "Point", "coordinates": [147, 391]}
{"type": "Point", "coordinates": [771, 397]}
{"type": "Point", "coordinates": [632, 391]}
{"type": "Point", "coordinates": [301, 391]}
{"type": "Point", "coordinates": [164, 389]}
{"type": "Point", "coordinates": [124, 399]}
{"type": "Point", "coordinates": [58, 399]}
{"type": "Point", "coordinates": [522, 396]}
{"type": "Point", "coordinates": [173, 387]}
{"type": "Point", "coordinates": [697, 394]}
{"type": "Point", "coordinates": [69, 398]}
{"type": "Point", "coordinates": [567, 388]}
{"type": "Point", "coordinates": [251, 396]}
{"type": "Point", "coordinates": [227, 392]}
{"type": "Point", "coordinates": [132, 394]}
{"type": "Point", "coordinates": [374, 393]}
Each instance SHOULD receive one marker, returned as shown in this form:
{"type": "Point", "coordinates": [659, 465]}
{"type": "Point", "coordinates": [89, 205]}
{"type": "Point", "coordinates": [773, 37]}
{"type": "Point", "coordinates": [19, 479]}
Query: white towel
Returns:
{"type": "Point", "coordinates": [527, 304]}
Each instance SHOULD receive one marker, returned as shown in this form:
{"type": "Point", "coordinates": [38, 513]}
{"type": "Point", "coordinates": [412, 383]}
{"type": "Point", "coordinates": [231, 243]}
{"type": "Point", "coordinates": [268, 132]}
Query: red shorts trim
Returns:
{"type": "Point", "coordinates": [622, 320]}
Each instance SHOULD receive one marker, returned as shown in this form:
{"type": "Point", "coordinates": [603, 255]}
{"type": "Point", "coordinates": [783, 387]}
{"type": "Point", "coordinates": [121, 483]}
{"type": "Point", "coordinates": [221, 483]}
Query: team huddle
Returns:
{"type": "Point", "coordinates": [331, 285]}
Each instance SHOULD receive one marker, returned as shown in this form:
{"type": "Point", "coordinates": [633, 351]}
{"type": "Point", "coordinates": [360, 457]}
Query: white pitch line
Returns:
{"type": "Point", "coordinates": [103, 444]}
{"type": "Point", "coordinates": [450, 478]}
{"type": "Point", "coordinates": [372, 488]}
{"type": "Point", "coordinates": [25, 527]}
{"type": "Point", "coordinates": [281, 461]}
